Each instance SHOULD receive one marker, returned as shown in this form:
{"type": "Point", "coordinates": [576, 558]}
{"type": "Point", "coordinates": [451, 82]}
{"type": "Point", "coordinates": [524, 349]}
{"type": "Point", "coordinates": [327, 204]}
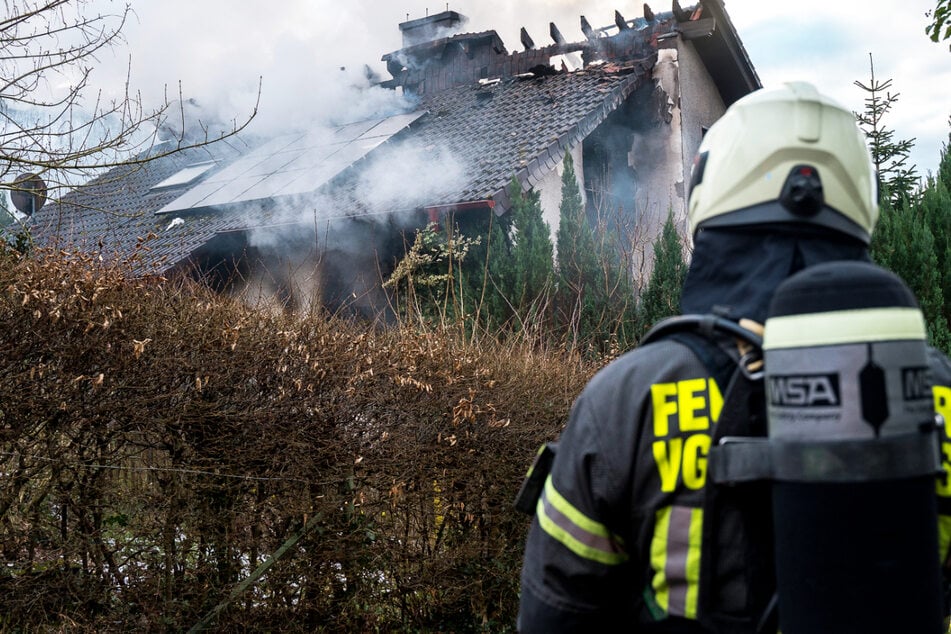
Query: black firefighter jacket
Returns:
{"type": "Point", "coordinates": [616, 541]}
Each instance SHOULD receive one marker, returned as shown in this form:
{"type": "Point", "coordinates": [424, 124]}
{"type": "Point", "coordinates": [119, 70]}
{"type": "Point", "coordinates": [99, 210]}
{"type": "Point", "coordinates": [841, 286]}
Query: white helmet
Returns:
{"type": "Point", "coordinates": [788, 155]}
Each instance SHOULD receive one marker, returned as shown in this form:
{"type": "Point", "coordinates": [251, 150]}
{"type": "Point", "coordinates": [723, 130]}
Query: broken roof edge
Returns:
{"type": "Point", "coordinates": [738, 77]}
{"type": "Point", "coordinates": [533, 171]}
{"type": "Point", "coordinates": [410, 66]}
{"type": "Point", "coordinates": [706, 24]}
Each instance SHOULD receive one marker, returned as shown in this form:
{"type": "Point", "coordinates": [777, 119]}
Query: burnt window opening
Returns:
{"type": "Point", "coordinates": [610, 180]}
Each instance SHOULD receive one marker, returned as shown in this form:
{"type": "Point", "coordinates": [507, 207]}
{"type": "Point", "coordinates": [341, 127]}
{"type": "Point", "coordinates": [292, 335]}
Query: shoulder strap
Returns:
{"type": "Point", "coordinates": [736, 574]}
{"type": "Point", "coordinates": [717, 362]}
{"type": "Point", "coordinates": [698, 333]}
{"type": "Point", "coordinates": [737, 580]}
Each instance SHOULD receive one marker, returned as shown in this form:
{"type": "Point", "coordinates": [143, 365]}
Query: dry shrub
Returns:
{"type": "Point", "coordinates": [158, 443]}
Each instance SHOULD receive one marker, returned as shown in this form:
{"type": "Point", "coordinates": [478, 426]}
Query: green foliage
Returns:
{"type": "Point", "coordinates": [487, 274]}
{"type": "Point", "coordinates": [581, 279]}
{"type": "Point", "coordinates": [661, 297]}
{"type": "Point", "coordinates": [904, 243]}
{"type": "Point", "coordinates": [935, 209]}
{"type": "Point", "coordinates": [595, 293]}
{"type": "Point", "coordinates": [911, 238]}
{"type": "Point", "coordinates": [510, 272]}
{"type": "Point", "coordinates": [531, 274]}
{"type": "Point", "coordinates": [577, 261]}
{"type": "Point", "coordinates": [431, 276]}
{"type": "Point", "coordinates": [497, 274]}
{"type": "Point", "coordinates": [889, 155]}
{"type": "Point", "coordinates": [940, 26]}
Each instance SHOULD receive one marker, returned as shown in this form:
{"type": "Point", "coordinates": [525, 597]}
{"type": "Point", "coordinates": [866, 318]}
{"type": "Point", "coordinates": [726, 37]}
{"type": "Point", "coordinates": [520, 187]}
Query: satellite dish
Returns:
{"type": "Point", "coordinates": [28, 193]}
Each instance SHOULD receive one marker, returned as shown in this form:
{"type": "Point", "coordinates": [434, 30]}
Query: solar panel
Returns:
{"type": "Point", "coordinates": [275, 163]}
{"type": "Point", "coordinates": [194, 196]}
{"type": "Point", "coordinates": [291, 164]}
{"type": "Point", "coordinates": [390, 126]}
{"type": "Point", "coordinates": [274, 186]}
{"type": "Point", "coordinates": [185, 176]}
{"type": "Point", "coordinates": [353, 130]}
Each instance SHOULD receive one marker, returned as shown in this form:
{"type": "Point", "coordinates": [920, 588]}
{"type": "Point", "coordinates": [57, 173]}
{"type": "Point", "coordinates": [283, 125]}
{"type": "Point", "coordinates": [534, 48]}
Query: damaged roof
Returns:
{"type": "Point", "coordinates": [522, 127]}
{"type": "Point", "coordinates": [518, 125]}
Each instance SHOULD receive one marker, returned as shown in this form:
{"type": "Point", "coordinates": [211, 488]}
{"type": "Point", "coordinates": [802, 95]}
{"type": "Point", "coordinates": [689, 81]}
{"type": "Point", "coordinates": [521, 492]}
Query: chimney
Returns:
{"type": "Point", "coordinates": [431, 27]}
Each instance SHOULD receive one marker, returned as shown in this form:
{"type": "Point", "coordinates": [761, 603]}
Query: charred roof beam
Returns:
{"type": "Point", "coordinates": [620, 21]}
{"type": "Point", "coordinates": [586, 29]}
{"type": "Point", "coordinates": [527, 40]}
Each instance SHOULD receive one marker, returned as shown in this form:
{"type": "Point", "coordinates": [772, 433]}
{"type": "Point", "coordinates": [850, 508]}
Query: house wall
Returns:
{"type": "Point", "coordinates": [633, 165]}
{"type": "Point", "coordinates": [657, 157]}
{"type": "Point", "coordinates": [701, 106]}
{"type": "Point", "coordinates": [637, 164]}
{"type": "Point", "coordinates": [549, 190]}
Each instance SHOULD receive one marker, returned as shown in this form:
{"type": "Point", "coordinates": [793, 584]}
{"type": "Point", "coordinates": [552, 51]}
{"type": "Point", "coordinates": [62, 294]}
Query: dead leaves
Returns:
{"type": "Point", "coordinates": [467, 411]}
{"type": "Point", "coordinates": [403, 381]}
{"type": "Point", "coordinates": [138, 347]}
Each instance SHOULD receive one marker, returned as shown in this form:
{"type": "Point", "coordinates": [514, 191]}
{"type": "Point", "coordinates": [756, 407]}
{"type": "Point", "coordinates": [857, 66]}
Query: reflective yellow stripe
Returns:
{"type": "Point", "coordinates": [659, 558]}
{"type": "Point", "coordinates": [844, 326]}
{"type": "Point", "coordinates": [579, 533]}
{"type": "Point", "coordinates": [577, 517]}
{"type": "Point", "coordinates": [944, 537]}
{"type": "Point", "coordinates": [675, 560]}
{"type": "Point", "coordinates": [693, 562]}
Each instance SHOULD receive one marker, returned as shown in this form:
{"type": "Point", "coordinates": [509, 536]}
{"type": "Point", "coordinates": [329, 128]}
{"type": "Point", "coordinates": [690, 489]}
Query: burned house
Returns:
{"type": "Point", "coordinates": [325, 213]}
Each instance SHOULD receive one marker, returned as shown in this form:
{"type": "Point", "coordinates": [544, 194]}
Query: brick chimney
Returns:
{"type": "Point", "coordinates": [431, 27]}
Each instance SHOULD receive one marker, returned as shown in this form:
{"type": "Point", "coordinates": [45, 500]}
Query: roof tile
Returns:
{"type": "Point", "coordinates": [515, 127]}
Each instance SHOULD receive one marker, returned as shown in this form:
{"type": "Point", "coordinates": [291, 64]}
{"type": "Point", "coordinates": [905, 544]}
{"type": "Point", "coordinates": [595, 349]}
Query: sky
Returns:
{"type": "Point", "coordinates": [308, 53]}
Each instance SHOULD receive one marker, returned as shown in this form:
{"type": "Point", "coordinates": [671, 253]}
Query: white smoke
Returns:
{"type": "Point", "coordinates": [411, 175]}
{"type": "Point", "coordinates": [217, 51]}
{"type": "Point", "coordinates": [312, 65]}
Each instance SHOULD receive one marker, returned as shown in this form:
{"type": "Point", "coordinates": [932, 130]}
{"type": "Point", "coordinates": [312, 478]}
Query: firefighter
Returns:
{"type": "Point", "coordinates": [623, 538]}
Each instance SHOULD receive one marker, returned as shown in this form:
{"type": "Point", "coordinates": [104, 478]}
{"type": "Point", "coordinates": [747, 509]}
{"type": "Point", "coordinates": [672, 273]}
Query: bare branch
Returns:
{"type": "Point", "coordinates": [53, 122]}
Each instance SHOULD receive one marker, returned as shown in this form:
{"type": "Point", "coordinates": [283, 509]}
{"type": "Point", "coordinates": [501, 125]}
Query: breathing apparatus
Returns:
{"type": "Point", "coordinates": [852, 448]}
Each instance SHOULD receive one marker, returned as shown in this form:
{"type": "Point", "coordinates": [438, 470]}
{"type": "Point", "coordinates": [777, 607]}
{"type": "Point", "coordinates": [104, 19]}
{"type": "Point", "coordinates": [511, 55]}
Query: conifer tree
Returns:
{"type": "Point", "coordinates": [532, 252]}
{"type": "Point", "coordinates": [904, 244]}
{"type": "Point", "coordinates": [661, 297]}
{"type": "Point", "coordinates": [935, 209]}
{"type": "Point", "coordinates": [489, 273]}
{"type": "Point", "coordinates": [580, 276]}
{"type": "Point", "coordinates": [889, 155]}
